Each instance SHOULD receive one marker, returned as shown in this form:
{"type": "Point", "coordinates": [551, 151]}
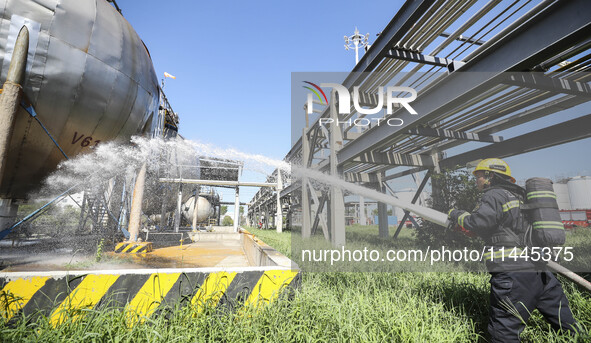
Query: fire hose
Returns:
{"type": "Point", "coordinates": [440, 218]}
{"type": "Point", "coordinates": [428, 214]}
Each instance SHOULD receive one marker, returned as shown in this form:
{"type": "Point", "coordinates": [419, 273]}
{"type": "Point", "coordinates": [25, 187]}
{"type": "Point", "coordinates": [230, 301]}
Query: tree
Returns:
{"type": "Point", "coordinates": [223, 209]}
{"type": "Point", "coordinates": [227, 221]}
{"type": "Point", "coordinates": [376, 211]}
{"type": "Point", "coordinates": [451, 189]}
{"type": "Point", "coordinates": [240, 220]}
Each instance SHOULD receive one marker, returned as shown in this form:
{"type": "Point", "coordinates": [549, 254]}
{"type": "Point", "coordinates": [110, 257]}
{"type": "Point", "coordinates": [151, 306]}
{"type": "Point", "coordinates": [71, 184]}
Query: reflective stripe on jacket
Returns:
{"type": "Point", "coordinates": [497, 219]}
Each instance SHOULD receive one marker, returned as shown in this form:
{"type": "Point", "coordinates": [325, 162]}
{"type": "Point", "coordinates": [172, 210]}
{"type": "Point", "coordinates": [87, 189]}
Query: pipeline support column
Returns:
{"type": "Point", "coordinates": [237, 209]}
{"type": "Point", "coordinates": [337, 200]}
{"type": "Point", "coordinates": [195, 209]}
{"type": "Point", "coordinates": [383, 231]}
{"type": "Point", "coordinates": [279, 215]}
{"type": "Point", "coordinates": [383, 220]}
{"type": "Point", "coordinates": [306, 221]}
{"type": "Point", "coordinates": [362, 215]}
{"type": "Point", "coordinates": [179, 204]}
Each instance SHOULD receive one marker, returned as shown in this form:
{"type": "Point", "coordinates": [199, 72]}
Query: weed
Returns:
{"type": "Point", "coordinates": [99, 250]}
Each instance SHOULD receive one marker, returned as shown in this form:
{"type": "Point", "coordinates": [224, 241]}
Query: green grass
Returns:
{"type": "Point", "coordinates": [422, 301]}
{"type": "Point", "coordinates": [328, 307]}
{"type": "Point", "coordinates": [580, 241]}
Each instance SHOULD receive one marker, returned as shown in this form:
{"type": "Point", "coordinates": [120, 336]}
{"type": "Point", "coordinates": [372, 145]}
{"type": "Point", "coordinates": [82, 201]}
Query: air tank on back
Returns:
{"type": "Point", "coordinates": [89, 78]}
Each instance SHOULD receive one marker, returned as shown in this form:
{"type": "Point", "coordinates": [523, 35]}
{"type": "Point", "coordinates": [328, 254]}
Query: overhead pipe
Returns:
{"type": "Point", "coordinates": [219, 182]}
{"type": "Point", "coordinates": [477, 16]}
{"type": "Point", "coordinates": [395, 66]}
{"type": "Point", "coordinates": [527, 16]}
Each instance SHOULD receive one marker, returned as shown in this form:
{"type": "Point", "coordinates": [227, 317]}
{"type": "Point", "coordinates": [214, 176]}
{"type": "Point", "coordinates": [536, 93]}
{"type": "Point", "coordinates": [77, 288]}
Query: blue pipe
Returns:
{"type": "Point", "coordinates": [33, 114]}
{"type": "Point", "coordinates": [34, 213]}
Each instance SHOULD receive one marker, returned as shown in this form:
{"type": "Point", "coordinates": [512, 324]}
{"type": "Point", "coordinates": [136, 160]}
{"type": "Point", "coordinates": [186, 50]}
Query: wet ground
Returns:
{"type": "Point", "coordinates": [204, 253]}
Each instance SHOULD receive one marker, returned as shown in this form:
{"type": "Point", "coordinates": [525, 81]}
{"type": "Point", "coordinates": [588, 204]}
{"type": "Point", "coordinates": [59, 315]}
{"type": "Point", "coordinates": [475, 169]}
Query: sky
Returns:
{"type": "Point", "coordinates": [233, 62]}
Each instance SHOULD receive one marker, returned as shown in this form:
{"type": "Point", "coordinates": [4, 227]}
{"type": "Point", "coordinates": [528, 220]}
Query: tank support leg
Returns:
{"type": "Point", "coordinates": [12, 94]}
{"type": "Point", "coordinates": [8, 211]}
{"type": "Point", "coordinates": [136, 204]}
{"type": "Point", "coordinates": [9, 102]}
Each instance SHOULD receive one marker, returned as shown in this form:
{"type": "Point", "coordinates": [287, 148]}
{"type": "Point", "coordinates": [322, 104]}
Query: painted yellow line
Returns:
{"type": "Point", "coordinates": [213, 288]}
{"type": "Point", "coordinates": [16, 294]}
{"type": "Point", "coordinates": [269, 286]}
{"type": "Point", "coordinates": [88, 293]}
{"type": "Point", "coordinates": [150, 296]}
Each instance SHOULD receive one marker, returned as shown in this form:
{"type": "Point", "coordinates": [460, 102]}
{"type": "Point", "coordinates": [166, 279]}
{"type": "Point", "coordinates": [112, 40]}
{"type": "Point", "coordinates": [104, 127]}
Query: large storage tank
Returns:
{"type": "Point", "coordinates": [579, 189]}
{"type": "Point", "coordinates": [204, 209]}
{"type": "Point", "coordinates": [562, 196]}
{"type": "Point", "coordinates": [89, 78]}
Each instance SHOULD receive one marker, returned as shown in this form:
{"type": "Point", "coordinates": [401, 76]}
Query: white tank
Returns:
{"type": "Point", "coordinates": [204, 209]}
{"type": "Point", "coordinates": [562, 197]}
{"type": "Point", "coordinates": [579, 189]}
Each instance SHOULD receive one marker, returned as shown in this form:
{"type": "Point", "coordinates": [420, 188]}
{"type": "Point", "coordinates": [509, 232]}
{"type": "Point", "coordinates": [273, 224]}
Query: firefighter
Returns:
{"type": "Point", "coordinates": [518, 285]}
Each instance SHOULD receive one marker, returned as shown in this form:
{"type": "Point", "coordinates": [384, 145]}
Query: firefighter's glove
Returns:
{"type": "Point", "coordinates": [453, 215]}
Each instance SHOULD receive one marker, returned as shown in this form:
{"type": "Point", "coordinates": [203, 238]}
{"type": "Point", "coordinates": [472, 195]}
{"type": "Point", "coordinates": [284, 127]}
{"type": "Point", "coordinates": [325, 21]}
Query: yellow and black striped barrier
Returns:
{"type": "Point", "coordinates": [138, 292]}
{"type": "Point", "coordinates": [133, 247]}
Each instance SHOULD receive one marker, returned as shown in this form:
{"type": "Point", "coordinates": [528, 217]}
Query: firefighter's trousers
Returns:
{"type": "Point", "coordinates": [515, 295]}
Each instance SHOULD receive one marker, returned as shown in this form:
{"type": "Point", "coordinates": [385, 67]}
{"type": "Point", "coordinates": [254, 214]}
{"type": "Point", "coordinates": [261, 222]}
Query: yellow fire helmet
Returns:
{"type": "Point", "coordinates": [495, 165]}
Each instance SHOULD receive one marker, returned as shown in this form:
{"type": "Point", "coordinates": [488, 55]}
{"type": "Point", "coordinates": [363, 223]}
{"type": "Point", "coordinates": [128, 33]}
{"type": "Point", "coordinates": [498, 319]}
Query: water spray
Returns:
{"type": "Point", "coordinates": [127, 158]}
{"type": "Point", "coordinates": [428, 214]}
